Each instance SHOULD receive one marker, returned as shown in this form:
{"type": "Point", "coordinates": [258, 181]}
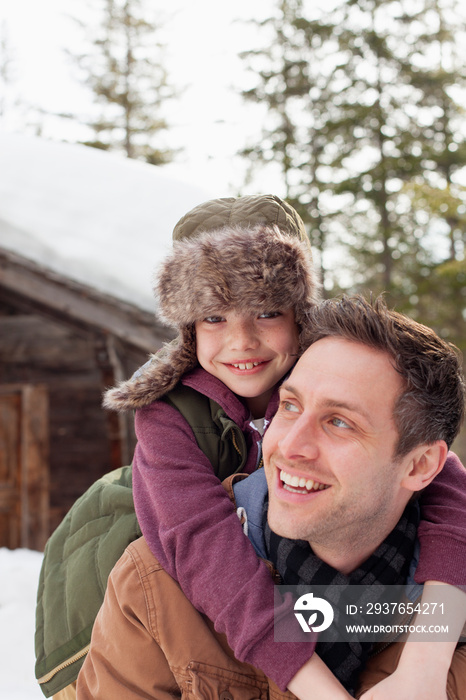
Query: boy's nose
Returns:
{"type": "Point", "coordinates": [243, 335]}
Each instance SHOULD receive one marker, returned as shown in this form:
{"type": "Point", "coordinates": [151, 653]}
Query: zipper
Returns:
{"type": "Point", "coordinates": [48, 676]}
{"type": "Point", "coordinates": [235, 444]}
{"type": "Point", "coordinates": [261, 456]}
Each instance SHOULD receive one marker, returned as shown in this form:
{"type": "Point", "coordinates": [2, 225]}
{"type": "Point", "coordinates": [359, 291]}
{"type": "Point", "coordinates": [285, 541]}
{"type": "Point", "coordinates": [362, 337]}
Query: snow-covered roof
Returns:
{"type": "Point", "coordinates": [95, 217]}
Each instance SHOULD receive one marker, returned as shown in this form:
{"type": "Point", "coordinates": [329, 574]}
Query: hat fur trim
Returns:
{"type": "Point", "coordinates": [249, 269]}
{"type": "Point", "coordinates": [157, 376]}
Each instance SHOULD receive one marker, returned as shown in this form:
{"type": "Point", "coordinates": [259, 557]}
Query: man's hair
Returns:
{"type": "Point", "coordinates": [432, 403]}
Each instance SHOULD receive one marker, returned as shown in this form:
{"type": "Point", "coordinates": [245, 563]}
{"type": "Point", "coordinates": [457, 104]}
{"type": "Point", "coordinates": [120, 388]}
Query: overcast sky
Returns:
{"type": "Point", "coordinates": [203, 41]}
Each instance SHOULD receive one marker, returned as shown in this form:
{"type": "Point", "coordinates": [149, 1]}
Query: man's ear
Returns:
{"type": "Point", "coordinates": [423, 465]}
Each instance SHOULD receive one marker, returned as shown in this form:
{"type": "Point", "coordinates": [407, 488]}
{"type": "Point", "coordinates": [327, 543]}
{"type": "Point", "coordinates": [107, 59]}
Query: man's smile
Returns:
{"type": "Point", "coordinates": [299, 484]}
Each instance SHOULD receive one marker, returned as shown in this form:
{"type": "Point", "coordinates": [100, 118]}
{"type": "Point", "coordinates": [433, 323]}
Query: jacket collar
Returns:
{"type": "Point", "coordinates": [214, 389]}
{"type": "Point", "coordinates": [250, 495]}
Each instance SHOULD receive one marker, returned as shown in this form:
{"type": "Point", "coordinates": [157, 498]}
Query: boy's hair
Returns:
{"type": "Point", "coordinates": [432, 403]}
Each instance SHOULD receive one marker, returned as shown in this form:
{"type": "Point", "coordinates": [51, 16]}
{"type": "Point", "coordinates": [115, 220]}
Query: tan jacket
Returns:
{"type": "Point", "coordinates": [150, 642]}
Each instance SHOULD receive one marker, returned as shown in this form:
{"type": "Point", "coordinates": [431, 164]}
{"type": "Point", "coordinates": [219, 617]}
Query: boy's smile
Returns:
{"type": "Point", "coordinates": [247, 365]}
{"type": "Point", "coordinates": [248, 368]}
{"type": "Point", "coordinates": [248, 354]}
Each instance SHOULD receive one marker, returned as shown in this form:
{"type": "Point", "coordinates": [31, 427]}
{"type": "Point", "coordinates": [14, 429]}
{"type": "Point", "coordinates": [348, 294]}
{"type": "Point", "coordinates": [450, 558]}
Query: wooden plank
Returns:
{"type": "Point", "coordinates": [34, 468]}
{"type": "Point", "coordinates": [41, 342]}
{"type": "Point", "coordinates": [25, 499]}
{"type": "Point", "coordinates": [10, 406]}
{"type": "Point", "coordinates": [65, 299]}
{"type": "Point", "coordinates": [103, 354]}
{"type": "Point", "coordinates": [10, 409]}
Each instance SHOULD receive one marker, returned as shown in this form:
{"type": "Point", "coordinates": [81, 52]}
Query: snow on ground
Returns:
{"type": "Point", "coordinates": [19, 576]}
{"type": "Point", "coordinates": [99, 218]}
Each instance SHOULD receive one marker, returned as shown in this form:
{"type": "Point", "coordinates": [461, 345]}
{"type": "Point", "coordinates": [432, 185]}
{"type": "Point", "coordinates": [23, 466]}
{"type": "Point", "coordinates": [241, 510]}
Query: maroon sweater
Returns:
{"type": "Point", "coordinates": [190, 526]}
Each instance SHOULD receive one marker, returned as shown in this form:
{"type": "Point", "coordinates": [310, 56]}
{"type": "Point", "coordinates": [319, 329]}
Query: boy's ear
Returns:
{"type": "Point", "coordinates": [425, 462]}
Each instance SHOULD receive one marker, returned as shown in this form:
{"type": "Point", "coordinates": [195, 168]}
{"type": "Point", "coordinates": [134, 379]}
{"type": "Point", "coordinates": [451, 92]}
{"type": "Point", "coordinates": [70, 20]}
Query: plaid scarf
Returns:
{"type": "Point", "coordinates": [388, 565]}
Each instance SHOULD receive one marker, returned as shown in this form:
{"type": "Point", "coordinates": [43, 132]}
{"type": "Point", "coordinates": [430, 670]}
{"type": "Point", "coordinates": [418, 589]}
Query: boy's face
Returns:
{"type": "Point", "coordinates": [249, 354]}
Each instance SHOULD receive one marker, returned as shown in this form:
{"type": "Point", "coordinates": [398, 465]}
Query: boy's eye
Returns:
{"type": "Point", "coordinates": [214, 319]}
{"type": "Point", "coordinates": [269, 314]}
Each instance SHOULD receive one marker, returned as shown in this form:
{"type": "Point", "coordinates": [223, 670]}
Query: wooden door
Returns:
{"type": "Point", "coordinates": [24, 470]}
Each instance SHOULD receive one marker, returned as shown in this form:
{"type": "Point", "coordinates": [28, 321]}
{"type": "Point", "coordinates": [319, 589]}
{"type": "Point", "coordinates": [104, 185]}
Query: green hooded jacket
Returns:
{"type": "Point", "coordinates": [92, 537]}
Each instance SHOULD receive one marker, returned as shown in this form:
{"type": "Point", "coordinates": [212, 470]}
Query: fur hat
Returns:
{"type": "Point", "coordinates": [251, 265]}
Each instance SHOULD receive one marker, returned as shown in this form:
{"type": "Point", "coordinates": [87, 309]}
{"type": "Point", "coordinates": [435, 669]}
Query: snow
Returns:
{"type": "Point", "coordinates": [19, 576]}
{"type": "Point", "coordinates": [93, 216]}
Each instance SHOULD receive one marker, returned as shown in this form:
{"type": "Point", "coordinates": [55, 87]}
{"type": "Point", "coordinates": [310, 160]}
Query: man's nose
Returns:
{"type": "Point", "coordinates": [243, 335]}
{"type": "Point", "coordinates": [299, 440]}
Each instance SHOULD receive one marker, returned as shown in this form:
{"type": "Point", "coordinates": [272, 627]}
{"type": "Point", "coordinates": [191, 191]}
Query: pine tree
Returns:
{"type": "Point", "coordinates": [124, 70]}
{"type": "Point", "coordinates": [365, 122]}
{"type": "Point", "coordinates": [410, 128]}
{"type": "Point", "coordinates": [444, 152]}
{"type": "Point", "coordinates": [290, 86]}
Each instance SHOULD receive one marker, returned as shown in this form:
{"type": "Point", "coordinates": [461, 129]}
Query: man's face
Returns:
{"type": "Point", "coordinates": [329, 451]}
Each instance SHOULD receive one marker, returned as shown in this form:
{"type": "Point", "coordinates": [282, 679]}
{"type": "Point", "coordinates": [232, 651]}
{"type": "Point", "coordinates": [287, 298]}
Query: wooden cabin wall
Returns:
{"type": "Point", "coordinates": [75, 365]}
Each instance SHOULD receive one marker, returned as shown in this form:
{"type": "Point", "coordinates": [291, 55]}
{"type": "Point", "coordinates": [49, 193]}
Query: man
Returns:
{"type": "Point", "coordinates": [365, 421]}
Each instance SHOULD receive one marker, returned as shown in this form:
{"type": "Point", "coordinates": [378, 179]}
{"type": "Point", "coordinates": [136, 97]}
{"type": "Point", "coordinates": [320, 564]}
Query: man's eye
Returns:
{"type": "Point", "coordinates": [214, 319]}
{"type": "Point", "coordinates": [339, 423]}
{"type": "Point", "coordinates": [269, 314]}
{"type": "Point", "coordinates": [288, 406]}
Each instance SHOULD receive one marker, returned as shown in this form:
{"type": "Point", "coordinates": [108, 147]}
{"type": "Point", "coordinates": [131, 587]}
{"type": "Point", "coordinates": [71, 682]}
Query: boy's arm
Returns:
{"type": "Point", "coordinates": [192, 528]}
{"type": "Point", "coordinates": [315, 681]}
{"type": "Point", "coordinates": [442, 530]}
{"type": "Point", "coordinates": [422, 671]}
{"type": "Point", "coordinates": [423, 667]}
